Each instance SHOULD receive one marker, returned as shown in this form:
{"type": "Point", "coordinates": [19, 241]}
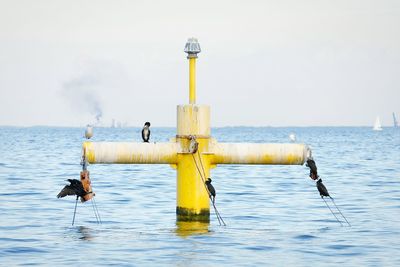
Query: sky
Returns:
{"type": "Point", "coordinates": [263, 63]}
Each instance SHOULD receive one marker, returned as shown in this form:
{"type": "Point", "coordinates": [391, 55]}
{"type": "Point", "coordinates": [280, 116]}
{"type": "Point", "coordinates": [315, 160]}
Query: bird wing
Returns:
{"type": "Point", "coordinates": [67, 191]}
{"type": "Point", "coordinates": [73, 182]}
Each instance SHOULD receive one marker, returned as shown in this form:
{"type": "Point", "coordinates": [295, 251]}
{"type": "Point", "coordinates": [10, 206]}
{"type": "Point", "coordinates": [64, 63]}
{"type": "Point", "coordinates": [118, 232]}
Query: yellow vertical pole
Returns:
{"type": "Point", "coordinates": [192, 80]}
{"type": "Point", "coordinates": [193, 203]}
{"type": "Point", "coordinates": [192, 200]}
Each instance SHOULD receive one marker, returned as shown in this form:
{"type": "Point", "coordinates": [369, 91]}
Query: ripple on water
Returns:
{"type": "Point", "coordinates": [23, 250]}
{"type": "Point", "coordinates": [260, 248]}
{"type": "Point", "coordinates": [305, 237]}
{"type": "Point", "coordinates": [24, 240]}
{"type": "Point", "coordinates": [340, 247]}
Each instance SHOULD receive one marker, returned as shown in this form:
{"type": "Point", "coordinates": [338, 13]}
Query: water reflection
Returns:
{"type": "Point", "coordinates": [185, 229]}
{"type": "Point", "coordinates": [84, 233]}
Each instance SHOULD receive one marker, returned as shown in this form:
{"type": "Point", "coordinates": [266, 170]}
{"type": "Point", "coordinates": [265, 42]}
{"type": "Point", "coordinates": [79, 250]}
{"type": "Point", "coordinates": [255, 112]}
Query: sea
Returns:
{"type": "Point", "coordinates": [274, 215]}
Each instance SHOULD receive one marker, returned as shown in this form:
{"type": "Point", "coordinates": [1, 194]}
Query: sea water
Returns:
{"type": "Point", "coordinates": [274, 214]}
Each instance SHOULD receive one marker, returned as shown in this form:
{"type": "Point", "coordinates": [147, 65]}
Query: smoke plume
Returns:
{"type": "Point", "coordinates": [82, 96]}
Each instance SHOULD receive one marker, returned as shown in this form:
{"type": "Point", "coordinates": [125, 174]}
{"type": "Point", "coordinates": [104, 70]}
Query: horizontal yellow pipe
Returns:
{"type": "Point", "coordinates": [219, 153]}
{"type": "Point", "coordinates": [243, 153]}
{"type": "Point", "coordinates": [130, 153]}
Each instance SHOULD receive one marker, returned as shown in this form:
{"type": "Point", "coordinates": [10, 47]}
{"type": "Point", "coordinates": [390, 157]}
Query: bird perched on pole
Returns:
{"type": "Point", "coordinates": [74, 188]}
{"type": "Point", "coordinates": [323, 192]}
{"type": "Point", "coordinates": [212, 194]}
{"type": "Point", "coordinates": [211, 189]}
{"type": "Point", "coordinates": [146, 132]}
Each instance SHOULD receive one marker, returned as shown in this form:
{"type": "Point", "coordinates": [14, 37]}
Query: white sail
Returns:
{"type": "Point", "coordinates": [395, 123]}
{"type": "Point", "coordinates": [377, 125]}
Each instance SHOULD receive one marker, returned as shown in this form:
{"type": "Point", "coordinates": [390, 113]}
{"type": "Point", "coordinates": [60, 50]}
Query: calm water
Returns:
{"type": "Point", "coordinates": [274, 214]}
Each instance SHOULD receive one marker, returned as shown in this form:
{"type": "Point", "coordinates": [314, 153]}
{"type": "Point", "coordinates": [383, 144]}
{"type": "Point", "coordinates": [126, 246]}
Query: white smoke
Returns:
{"type": "Point", "coordinates": [82, 95]}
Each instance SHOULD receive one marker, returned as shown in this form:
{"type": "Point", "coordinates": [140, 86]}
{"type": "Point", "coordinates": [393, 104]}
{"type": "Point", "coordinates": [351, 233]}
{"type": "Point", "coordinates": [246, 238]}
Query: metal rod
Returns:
{"type": "Point", "coordinates": [333, 201]}
{"type": "Point", "coordinates": [94, 211]}
{"type": "Point", "coordinates": [98, 213]}
{"type": "Point", "coordinates": [76, 204]}
{"type": "Point", "coordinates": [331, 211]}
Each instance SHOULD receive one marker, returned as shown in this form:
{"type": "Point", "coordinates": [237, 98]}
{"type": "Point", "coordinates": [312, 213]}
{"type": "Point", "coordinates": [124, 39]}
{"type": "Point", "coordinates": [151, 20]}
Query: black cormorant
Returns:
{"type": "Point", "coordinates": [323, 192]}
{"type": "Point", "coordinates": [313, 169]}
{"type": "Point", "coordinates": [74, 188]}
{"type": "Point", "coordinates": [210, 189]}
{"type": "Point", "coordinates": [146, 132]}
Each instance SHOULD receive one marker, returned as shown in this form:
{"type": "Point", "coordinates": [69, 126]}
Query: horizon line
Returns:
{"type": "Point", "coordinates": [225, 126]}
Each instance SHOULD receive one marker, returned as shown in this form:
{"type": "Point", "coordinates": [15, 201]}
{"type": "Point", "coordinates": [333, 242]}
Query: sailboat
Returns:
{"type": "Point", "coordinates": [395, 123]}
{"type": "Point", "coordinates": [377, 125]}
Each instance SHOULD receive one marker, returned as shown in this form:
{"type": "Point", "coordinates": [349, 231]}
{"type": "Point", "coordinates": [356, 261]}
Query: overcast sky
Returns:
{"type": "Point", "coordinates": [263, 63]}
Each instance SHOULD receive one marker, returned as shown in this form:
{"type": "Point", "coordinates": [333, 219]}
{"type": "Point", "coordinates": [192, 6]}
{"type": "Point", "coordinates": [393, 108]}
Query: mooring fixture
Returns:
{"type": "Point", "coordinates": [193, 165]}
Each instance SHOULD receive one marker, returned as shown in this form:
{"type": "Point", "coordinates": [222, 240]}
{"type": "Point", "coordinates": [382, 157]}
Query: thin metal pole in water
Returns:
{"type": "Point", "coordinates": [94, 211]}
{"type": "Point", "coordinates": [219, 217]}
{"type": "Point", "coordinates": [331, 211]}
{"type": "Point", "coordinates": [333, 201]}
{"type": "Point", "coordinates": [98, 213]}
{"type": "Point", "coordinates": [76, 204]}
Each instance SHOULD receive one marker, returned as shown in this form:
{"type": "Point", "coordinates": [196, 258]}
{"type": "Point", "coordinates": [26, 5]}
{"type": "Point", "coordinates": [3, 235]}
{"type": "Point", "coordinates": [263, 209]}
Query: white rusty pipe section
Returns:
{"type": "Point", "coordinates": [219, 153]}
{"type": "Point", "coordinates": [243, 153]}
{"type": "Point", "coordinates": [130, 153]}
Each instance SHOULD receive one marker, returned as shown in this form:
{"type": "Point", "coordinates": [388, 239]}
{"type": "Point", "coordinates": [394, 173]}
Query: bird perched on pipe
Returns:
{"type": "Point", "coordinates": [146, 132]}
{"type": "Point", "coordinates": [210, 189]}
{"type": "Point", "coordinates": [323, 192]}
{"type": "Point", "coordinates": [74, 188]}
{"type": "Point", "coordinates": [89, 131]}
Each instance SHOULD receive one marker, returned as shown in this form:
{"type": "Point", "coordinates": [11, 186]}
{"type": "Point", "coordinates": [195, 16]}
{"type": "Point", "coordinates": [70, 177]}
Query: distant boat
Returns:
{"type": "Point", "coordinates": [395, 123]}
{"type": "Point", "coordinates": [377, 125]}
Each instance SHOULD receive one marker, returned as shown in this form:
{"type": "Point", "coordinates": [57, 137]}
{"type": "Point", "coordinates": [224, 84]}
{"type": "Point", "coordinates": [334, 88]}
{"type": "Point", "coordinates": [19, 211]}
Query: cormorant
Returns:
{"type": "Point", "coordinates": [323, 192]}
{"type": "Point", "coordinates": [74, 188]}
{"type": "Point", "coordinates": [146, 132]}
{"type": "Point", "coordinates": [210, 189]}
{"type": "Point", "coordinates": [313, 169]}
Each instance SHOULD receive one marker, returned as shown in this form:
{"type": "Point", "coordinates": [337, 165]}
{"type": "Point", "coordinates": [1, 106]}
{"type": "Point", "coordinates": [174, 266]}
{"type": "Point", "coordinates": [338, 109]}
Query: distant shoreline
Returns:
{"type": "Point", "coordinates": [173, 127]}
